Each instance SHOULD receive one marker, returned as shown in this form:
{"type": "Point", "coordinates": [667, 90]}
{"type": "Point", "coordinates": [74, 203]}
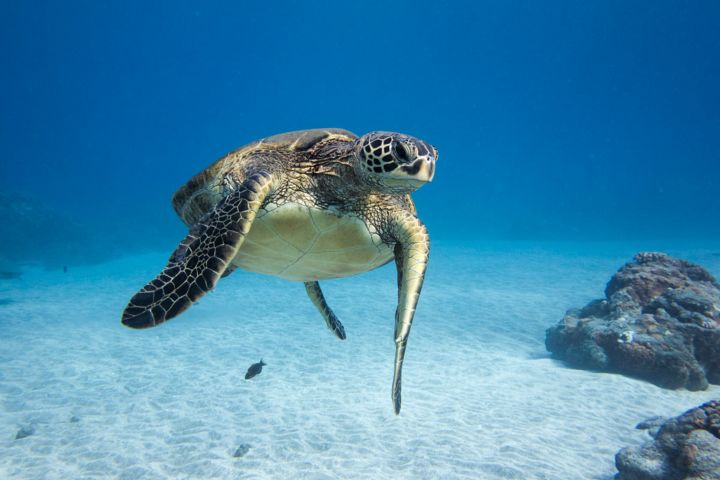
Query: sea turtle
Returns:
{"type": "Point", "coordinates": [305, 206]}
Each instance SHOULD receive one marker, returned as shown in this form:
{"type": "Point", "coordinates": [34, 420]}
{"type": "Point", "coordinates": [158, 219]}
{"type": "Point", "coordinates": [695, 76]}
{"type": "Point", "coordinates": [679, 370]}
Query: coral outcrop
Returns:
{"type": "Point", "coordinates": [659, 321]}
{"type": "Point", "coordinates": [683, 448]}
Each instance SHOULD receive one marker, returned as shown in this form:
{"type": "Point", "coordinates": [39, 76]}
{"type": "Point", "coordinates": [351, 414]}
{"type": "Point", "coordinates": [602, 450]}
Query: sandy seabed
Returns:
{"type": "Point", "coordinates": [481, 396]}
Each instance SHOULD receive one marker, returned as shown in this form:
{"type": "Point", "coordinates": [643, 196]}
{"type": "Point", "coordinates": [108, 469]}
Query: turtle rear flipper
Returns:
{"type": "Point", "coordinates": [201, 258]}
{"type": "Point", "coordinates": [318, 299]}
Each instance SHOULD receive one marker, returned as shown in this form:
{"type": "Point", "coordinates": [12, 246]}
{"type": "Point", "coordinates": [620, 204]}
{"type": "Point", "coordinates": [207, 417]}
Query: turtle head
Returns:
{"type": "Point", "coordinates": [394, 162]}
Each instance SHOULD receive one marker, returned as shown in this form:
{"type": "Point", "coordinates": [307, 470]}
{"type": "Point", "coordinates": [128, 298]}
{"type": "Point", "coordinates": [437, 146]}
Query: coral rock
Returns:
{"type": "Point", "coordinates": [684, 448]}
{"type": "Point", "coordinates": [660, 321]}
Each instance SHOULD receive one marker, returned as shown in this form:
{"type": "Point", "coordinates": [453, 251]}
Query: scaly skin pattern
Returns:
{"type": "Point", "coordinates": [354, 192]}
{"type": "Point", "coordinates": [412, 252]}
{"type": "Point", "coordinates": [318, 299]}
{"type": "Point", "coordinates": [200, 259]}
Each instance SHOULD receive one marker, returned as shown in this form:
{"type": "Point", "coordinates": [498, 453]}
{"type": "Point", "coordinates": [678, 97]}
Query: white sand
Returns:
{"type": "Point", "coordinates": [481, 397]}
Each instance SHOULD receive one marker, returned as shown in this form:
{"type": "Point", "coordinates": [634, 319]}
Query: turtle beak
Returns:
{"type": "Point", "coordinates": [427, 170]}
{"type": "Point", "coordinates": [422, 170]}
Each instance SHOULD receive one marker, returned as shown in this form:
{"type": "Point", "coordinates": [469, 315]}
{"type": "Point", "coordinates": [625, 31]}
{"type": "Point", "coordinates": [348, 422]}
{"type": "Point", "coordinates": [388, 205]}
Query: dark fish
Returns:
{"type": "Point", "coordinates": [10, 275]}
{"type": "Point", "coordinates": [64, 268]}
{"type": "Point", "coordinates": [254, 369]}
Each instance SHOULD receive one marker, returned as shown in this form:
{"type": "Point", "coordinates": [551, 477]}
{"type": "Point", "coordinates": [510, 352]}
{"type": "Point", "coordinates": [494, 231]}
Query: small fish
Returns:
{"type": "Point", "coordinates": [254, 369]}
{"type": "Point", "coordinates": [64, 268]}
{"type": "Point", "coordinates": [10, 275]}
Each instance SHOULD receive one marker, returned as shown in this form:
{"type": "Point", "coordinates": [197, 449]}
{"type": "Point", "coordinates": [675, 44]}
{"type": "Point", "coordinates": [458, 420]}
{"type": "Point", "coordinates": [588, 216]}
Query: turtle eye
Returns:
{"type": "Point", "coordinates": [400, 152]}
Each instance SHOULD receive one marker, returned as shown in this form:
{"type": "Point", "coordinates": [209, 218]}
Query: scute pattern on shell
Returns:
{"type": "Point", "coordinates": [293, 156]}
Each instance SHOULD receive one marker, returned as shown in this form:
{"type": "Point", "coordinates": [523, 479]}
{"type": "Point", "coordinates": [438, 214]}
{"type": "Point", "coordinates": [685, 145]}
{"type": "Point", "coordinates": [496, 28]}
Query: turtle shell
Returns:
{"type": "Point", "coordinates": [302, 140]}
{"type": "Point", "coordinates": [203, 191]}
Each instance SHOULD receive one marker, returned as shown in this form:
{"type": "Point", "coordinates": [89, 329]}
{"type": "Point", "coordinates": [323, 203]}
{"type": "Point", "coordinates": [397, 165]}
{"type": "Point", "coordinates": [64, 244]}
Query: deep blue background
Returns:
{"type": "Point", "coordinates": [558, 119]}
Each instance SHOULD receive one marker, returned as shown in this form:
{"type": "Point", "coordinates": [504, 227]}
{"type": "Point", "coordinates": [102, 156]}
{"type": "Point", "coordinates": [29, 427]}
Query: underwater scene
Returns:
{"type": "Point", "coordinates": [220, 221]}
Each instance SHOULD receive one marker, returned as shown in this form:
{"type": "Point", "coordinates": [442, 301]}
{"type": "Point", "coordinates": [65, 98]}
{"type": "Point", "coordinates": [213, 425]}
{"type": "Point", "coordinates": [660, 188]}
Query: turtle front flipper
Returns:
{"type": "Point", "coordinates": [318, 299]}
{"type": "Point", "coordinates": [201, 258]}
{"type": "Point", "coordinates": [411, 257]}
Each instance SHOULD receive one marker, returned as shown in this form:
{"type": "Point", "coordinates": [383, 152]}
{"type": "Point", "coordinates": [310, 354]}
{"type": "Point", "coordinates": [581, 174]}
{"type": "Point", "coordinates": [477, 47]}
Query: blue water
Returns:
{"type": "Point", "coordinates": [571, 135]}
{"type": "Point", "coordinates": [553, 119]}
